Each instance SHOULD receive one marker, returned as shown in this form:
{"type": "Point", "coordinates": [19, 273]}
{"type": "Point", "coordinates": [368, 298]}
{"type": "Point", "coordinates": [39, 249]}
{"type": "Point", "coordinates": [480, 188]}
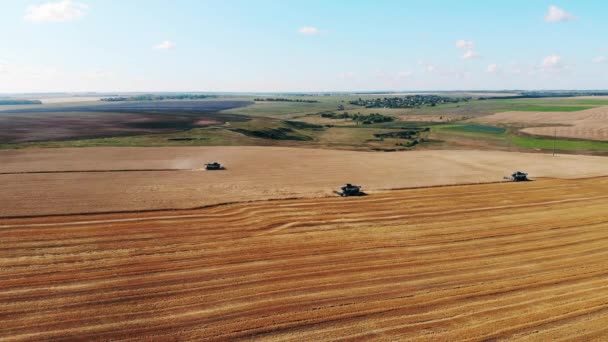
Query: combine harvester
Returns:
{"type": "Point", "coordinates": [518, 176]}
{"type": "Point", "coordinates": [214, 166]}
{"type": "Point", "coordinates": [350, 190]}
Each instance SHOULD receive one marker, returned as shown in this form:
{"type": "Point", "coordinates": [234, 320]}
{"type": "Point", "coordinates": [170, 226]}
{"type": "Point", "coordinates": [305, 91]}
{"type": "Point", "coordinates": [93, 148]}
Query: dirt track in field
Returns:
{"type": "Point", "coordinates": [481, 262]}
{"type": "Point", "coordinates": [253, 173]}
{"type": "Point", "coordinates": [590, 124]}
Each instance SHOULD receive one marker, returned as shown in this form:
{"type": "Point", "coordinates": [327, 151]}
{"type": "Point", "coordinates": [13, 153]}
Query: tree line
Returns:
{"type": "Point", "coordinates": [152, 97]}
{"type": "Point", "coordinates": [364, 119]}
{"type": "Point", "coordinates": [281, 99]}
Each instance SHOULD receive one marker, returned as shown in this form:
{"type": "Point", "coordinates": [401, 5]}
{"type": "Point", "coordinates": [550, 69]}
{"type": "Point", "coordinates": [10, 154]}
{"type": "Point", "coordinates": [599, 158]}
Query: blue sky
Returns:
{"type": "Point", "coordinates": [153, 45]}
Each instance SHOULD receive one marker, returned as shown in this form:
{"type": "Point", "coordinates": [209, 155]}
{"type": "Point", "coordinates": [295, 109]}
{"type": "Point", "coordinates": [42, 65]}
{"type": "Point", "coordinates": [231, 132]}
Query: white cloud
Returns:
{"type": "Point", "coordinates": [16, 77]}
{"type": "Point", "coordinates": [404, 74]}
{"type": "Point", "coordinates": [600, 59]}
{"type": "Point", "coordinates": [348, 75]}
{"type": "Point", "coordinates": [551, 62]}
{"type": "Point", "coordinates": [165, 45]}
{"type": "Point", "coordinates": [516, 69]}
{"type": "Point", "coordinates": [469, 54]}
{"type": "Point", "coordinates": [430, 68]}
{"type": "Point", "coordinates": [309, 30]}
{"type": "Point", "coordinates": [469, 47]}
{"type": "Point", "coordinates": [381, 74]}
{"type": "Point", "coordinates": [28, 73]}
{"type": "Point", "coordinates": [465, 44]}
{"type": "Point", "coordinates": [98, 74]}
{"type": "Point", "coordinates": [556, 15]}
{"type": "Point", "coordinates": [492, 68]}
{"type": "Point", "coordinates": [59, 11]}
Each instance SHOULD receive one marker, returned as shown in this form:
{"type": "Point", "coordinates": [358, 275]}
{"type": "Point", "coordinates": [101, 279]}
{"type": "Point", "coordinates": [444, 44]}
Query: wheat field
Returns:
{"type": "Point", "coordinates": [470, 262]}
{"type": "Point", "coordinates": [589, 124]}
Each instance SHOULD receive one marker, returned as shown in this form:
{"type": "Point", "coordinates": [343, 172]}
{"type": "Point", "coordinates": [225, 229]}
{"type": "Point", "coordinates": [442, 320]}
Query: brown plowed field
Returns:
{"type": "Point", "coordinates": [477, 262]}
{"type": "Point", "coordinates": [589, 124]}
{"type": "Point", "coordinates": [253, 173]}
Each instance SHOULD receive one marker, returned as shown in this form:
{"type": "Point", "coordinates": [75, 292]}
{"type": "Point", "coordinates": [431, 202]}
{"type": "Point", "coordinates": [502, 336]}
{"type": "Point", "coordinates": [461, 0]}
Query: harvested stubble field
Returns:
{"type": "Point", "coordinates": [73, 180]}
{"type": "Point", "coordinates": [472, 262]}
{"type": "Point", "coordinates": [590, 124]}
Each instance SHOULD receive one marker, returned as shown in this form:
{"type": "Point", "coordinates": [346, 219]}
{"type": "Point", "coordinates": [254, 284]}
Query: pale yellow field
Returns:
{"type": "Point", "coordinates": [590, 124]}
{"type": "Point", "coordinates": [600, 97]}
{"type": "Point", "coordinates": [129, 179]}
{"type": "Point", "coordinates": [517, 261]}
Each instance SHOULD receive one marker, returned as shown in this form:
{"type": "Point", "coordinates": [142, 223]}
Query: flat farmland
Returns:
{"type": "Point", "coordinates": [589, 124]}
{"type": "Point", "coordinates": [85, 180]}
{"type": "Point", "coordinates": [524, 261]}
{"type": "Point", "coordinates": [53, 123]}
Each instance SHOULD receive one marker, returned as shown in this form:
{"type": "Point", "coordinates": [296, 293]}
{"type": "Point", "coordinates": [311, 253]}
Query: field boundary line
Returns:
{"type": "Point", "coordinates": [350, 220]}
{"type": "Point", "coordinates": [217, 205]}
{"type": "Point", "coordinates": [91, 171]}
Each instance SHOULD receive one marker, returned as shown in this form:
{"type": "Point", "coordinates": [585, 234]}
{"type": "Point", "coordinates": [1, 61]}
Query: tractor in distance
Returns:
{"type": "Point", "coordinates": [518, 176]}
{"type": "Point", "coordinates": [214, 166]}
{"type": "Point", "coordinates": [350, 190]}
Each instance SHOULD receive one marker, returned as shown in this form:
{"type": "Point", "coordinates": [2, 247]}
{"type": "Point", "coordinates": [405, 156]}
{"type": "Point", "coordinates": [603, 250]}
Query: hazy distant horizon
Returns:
{"type": "Point", "coordinates": [381, 91]}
